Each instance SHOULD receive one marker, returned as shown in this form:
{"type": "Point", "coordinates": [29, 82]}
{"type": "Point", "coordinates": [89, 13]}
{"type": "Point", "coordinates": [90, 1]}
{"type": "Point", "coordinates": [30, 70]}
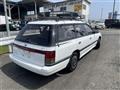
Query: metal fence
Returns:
{"type": "Point", "coordinates": [12, 33]}
{"type": "Point", "coordinates": [5, 40]}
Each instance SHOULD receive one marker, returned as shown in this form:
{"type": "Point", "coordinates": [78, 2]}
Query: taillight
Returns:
{"type": "Point", "coordinates": [49, 58]}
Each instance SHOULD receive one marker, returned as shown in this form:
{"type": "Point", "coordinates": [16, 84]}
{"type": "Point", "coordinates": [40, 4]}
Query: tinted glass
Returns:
{"type": "Point", "coordinates": [81, 31]}
{"type": "Point", "coordinates": [88, 29]}
{"type": "Point", "coordinates": [66, 32]}
{"type": "Point", "coordinates": [36, 34]}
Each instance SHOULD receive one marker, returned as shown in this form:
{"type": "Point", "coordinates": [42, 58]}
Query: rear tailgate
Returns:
{"type": "Point", "coordinates": [29, 55]}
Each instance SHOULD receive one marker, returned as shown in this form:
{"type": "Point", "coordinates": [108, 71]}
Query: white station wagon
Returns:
{"type": "Point", "coordinates": [48, 46]}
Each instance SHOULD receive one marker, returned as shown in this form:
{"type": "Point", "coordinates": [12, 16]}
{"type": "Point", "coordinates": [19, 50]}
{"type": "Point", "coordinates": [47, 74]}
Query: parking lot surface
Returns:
{"type": "Point", "coordinates": [98, 70]}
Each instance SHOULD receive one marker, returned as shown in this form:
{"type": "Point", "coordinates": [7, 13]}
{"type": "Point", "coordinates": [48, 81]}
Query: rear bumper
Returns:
{"type": "Point", "coordinates": [45, 70]}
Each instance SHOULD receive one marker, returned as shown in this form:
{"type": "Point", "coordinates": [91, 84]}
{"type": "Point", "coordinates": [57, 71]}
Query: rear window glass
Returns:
{"type": "Point", "coordinates": [36, 34]}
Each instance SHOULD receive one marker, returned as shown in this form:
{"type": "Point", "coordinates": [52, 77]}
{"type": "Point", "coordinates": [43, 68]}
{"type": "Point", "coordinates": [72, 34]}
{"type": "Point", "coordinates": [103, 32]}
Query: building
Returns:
{"type": "Point", "coordinates": [29, 9]}
{"type": "Point", "coordinates": [23, 9]}
{"type": "Point", "coordinates": [79, 6]}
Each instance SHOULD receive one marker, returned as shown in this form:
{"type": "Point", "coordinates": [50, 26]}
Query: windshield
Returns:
{"type": "Point", "coordinates": [36, 34]}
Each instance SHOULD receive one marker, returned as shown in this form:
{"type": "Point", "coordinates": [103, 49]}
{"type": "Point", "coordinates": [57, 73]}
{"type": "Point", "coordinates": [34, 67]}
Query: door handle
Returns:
{"type": "Point", "coordinates": [90, 38]}
{"type": "Point", "coordinates": [79, 42]}
{"type": "Point", "coordinates": [59, 44]}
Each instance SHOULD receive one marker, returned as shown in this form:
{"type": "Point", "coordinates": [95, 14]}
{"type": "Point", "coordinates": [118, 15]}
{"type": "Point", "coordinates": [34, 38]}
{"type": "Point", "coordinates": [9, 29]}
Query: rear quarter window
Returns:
{"type": "Point", "coordinates": [66, 32]}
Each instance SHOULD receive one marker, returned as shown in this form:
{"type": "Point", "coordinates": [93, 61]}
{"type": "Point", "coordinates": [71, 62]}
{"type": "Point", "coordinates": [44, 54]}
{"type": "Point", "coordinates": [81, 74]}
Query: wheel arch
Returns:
{"type": "Point", "coordinates": [77, 51]}
{"type": "Point", "coordinates": [100, 37]}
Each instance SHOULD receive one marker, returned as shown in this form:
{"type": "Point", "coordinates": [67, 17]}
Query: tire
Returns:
{"type": "Point", "coordinates": [73, 62]}
{"type": "Point", "coordinates": [98, 44]}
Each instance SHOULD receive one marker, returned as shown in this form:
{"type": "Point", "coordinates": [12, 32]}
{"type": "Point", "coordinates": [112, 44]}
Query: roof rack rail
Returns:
{"type": "Point", "coordinates": [58, 18]}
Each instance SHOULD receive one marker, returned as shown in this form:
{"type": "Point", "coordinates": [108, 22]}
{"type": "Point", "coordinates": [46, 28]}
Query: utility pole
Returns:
{"type": "Point", "coordinates": [7, 23]}
{"type": "Point", "coordinates": [18, 12]}
{"type": "Point", "coordinates": [114, 4]}
{"type": "Point", "coordinates": [9, 10]}
{"type": "Point", "coordinates": [35, 4]}
{"type": "Point", "coordinates": [101, 14]}
{"type": "Point", "coordinates": [6, 18]}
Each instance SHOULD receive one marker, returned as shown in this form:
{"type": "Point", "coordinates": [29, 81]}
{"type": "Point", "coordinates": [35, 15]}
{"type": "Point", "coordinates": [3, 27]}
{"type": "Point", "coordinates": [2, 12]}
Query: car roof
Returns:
{"type": "Point", "coordinates": [55, 22]}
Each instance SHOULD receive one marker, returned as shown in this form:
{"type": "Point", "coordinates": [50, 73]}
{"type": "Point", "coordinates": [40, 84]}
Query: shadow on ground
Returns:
{"type": "Point", "coordinates": [29, 79]}
{"type": "Point", "coordinates": [26, 78]}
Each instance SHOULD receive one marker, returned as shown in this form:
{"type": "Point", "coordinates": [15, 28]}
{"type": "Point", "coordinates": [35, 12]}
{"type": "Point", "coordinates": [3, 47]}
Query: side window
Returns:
{"type": "Point", "coordinates": [88, 29]}
{"type": "Point", "coordinates": [80, 29]}
{"type": "Point", "coordinates": [66, 32]}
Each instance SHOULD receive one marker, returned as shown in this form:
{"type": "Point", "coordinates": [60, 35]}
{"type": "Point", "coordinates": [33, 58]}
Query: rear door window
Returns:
{"type": "Point", "coordinates": [36, 34]}
{"type": "Point", "coordinates": [80, 29]}
{"type": "Point", "coordinates": [66, 32]}
{"type": "Point", "coordinates": [83, 30]}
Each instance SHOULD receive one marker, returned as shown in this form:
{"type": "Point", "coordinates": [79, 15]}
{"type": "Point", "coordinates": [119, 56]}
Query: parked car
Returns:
{"type": "Point", "coordinates": [2, 20]}
{"type": "Point", "coordinates": [112, 23]}
{"type": "Point", "coordinates": [98, 25]}
{"type": "Point", "coordinates": [16, 25]}
{"type": "Point", "coordinates": [3, 24]}
{"type": "Point", "coordinates": [48, 46]}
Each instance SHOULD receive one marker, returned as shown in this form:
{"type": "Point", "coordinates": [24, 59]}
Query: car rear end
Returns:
{"type": "Point", "coordinates": [110, 23]}
{"type": "Point", "coordinates": [34, 49]}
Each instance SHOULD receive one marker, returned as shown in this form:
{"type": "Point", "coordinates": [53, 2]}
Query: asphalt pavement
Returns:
{"type": "Point", "coordinates": [98, 70]}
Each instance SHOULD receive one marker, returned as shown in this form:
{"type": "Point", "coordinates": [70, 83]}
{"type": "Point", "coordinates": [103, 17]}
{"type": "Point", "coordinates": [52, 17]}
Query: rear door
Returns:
{"type": "Point", "coordinates": [66, 42]}
{"type": "Point", "coordinates": [24, 53]}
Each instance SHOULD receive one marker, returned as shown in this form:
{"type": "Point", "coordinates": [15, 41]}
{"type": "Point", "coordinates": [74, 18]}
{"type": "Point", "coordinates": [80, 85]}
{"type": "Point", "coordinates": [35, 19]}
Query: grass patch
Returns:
{"type": "Point", "coordinates": [4, 49]}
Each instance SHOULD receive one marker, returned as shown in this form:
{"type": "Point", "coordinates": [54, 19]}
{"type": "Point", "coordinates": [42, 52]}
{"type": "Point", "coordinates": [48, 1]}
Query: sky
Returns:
{"type": "Point", "coordinates": [107, 6]}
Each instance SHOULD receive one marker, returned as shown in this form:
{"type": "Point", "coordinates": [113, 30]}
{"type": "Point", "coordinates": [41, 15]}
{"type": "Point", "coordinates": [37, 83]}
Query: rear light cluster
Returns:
{"type": "Point", "coordinates": [49, 58]}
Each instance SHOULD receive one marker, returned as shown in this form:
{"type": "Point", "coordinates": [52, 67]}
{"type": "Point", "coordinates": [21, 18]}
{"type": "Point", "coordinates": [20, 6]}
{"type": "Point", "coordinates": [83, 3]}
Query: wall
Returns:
{"type": "Point", "coordinates": [86, 11]}
{"type": "Point", "coordinates": [71, 6]}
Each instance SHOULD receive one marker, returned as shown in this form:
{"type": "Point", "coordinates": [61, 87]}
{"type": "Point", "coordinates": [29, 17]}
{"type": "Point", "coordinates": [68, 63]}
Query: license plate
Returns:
{"type": "Point", "coordinates": [26, 54]}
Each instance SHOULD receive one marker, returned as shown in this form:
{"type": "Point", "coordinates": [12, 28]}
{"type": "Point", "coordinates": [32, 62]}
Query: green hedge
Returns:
{"type": "Point", "coordinates": [4, 49]}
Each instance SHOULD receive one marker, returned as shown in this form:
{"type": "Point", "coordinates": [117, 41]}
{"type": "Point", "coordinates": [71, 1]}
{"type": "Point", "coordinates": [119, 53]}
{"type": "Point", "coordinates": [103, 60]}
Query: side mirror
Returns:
{"type": "Point", "coordinates": [95, 31]}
